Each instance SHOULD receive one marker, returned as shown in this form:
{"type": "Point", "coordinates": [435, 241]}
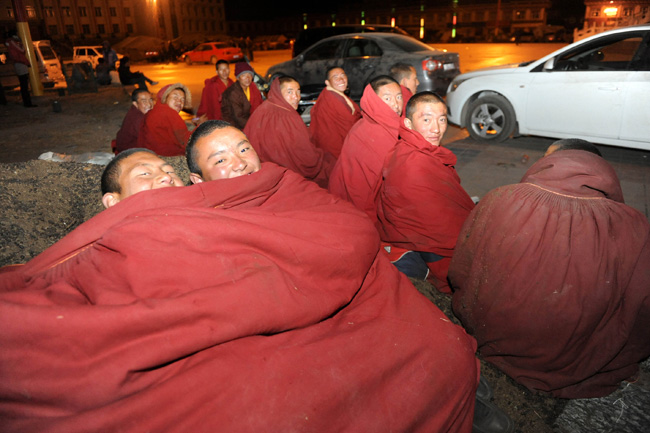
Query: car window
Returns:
{"type": "Point", "coordinates": [47, 52]}
{"type": "Point", "coordinates": [323, 51]}
{"type": "Point", "coordinates": [92, 53]}
{"type": "Point", "coordinates": [81, 51]}
{"type": "Point", "coordinates": [409, 45]}
{"type": "Point", "coordinates": [617, 53]}
{"type": "Point", "coordinates": [359, 47]}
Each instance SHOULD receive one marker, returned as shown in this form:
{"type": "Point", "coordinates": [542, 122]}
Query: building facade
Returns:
{"type": "Point", "coordinates": [609, 14]}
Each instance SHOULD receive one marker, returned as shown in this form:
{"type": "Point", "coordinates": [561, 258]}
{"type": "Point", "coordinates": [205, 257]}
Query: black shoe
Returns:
{"type": "Point", "coordinates": [484, 391]}
{"type": "Point", "coordinates": [490, 419]}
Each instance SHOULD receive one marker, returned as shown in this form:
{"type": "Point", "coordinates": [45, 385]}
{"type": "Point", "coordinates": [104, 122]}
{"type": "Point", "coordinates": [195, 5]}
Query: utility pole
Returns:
{"type": "Point", "coordinates": [22, 28]}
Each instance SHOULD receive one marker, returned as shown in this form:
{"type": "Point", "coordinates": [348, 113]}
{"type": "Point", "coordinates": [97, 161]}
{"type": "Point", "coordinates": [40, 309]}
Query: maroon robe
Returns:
{"type": "Point", "coordinates": [421, 204]}
{"type": "Point", "coordinates": [279, 135]}
{"type": "Point", "coordinates": [211, 98]}
{"type": "Point", "coordinates": [552, 276]}
{"type": "Point", "coordinates": [331, 120]}
{"type": "Point", "coordinates": [357, 174]}
{"type": "Point", "coordinates": [127, 136]}
{"type": "Point", "coordinates": [406, 96]}
{"type": "Point", "coordinates": [236, 108]}
{"type": "Point", "coordinates": [164, 131]}
{"type": "Point", "coordinates": [231, 305]}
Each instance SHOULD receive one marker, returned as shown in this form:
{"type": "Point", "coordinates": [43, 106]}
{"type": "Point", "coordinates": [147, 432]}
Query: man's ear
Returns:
{"type": "Point", "coordinates": [110, 199]}
{"type": "Point", "coordinates": [327, 83]}
{"type": "Point", "coordinates": [195, 178]}
{"type": "Point", "coordinates": [135, 104]}
{"type": "Point", "coordinates": [408, 123]}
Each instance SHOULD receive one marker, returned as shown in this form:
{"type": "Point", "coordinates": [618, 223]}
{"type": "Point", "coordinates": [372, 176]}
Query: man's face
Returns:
{"type": "Point", "coordinates": [223, 71]}
{"type": "Point", "coordinates": [224, 154]}
{"type": "Point", "coordinates": [430, 120]}
{"type": "Point", "coordinates": [142, 171]}
{"type": "Point", "coordinates": [411, 82]}
{"type": "Point", "coordinates": [144, 102]}
{"type": "Point", "coordinates": [291, 93]}
{"type": "Point", "coordinates": [337, 79]}
{"type": "Point", "coordinates": [176, 100]}
{"type": "Point", "coordinates": [391, 94]}
{"type": "Point", "coordinates": [245, 79]}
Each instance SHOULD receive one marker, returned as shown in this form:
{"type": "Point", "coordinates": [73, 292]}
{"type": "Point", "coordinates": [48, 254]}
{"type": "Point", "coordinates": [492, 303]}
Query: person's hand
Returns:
{"type": "Point", "coordinates": [198, 120]}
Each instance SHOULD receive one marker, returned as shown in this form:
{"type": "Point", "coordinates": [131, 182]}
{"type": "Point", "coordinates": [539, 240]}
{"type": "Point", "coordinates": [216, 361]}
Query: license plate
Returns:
{"type": "Point", "coordinates": [448, 66]}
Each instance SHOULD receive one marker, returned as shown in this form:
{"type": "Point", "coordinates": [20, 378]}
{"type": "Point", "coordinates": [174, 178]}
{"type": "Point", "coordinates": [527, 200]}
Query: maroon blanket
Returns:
{"type": "Point", "coordinates": [331, 120]}
{"type": "Point", "coordinates": [279, 135]}
{"type": "Point", "coordinates": [231, 305]}
{"type": "Point", "coordinates": [421, 204]}
{"type": "Point", "coordinates": [552, 276]}
{"type": "Point", "coordinates": [357, 174]}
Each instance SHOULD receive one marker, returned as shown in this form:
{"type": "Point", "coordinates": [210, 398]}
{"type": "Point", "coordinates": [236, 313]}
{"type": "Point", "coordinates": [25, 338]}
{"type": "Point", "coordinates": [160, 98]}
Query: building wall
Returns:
{"type": "Point", "coordinates": [616, 13]}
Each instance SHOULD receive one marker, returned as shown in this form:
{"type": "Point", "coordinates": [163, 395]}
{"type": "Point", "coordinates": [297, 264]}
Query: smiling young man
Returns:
{"type": "Point", "coordinates": [213, 91]}
{"type": "Point", "coordinates": [333, 114]}
{"type": "Point", "coordinates": [217, 150]}
{"type": "Point", "coordinates": [419, 176]}
{"type": "Point", "coordinates": [127, 136]}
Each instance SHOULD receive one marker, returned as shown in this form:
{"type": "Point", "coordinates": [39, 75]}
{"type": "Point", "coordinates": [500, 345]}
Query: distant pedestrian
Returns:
{"type": "Point", "coordinates": [16, 53]}
{"type": "Point", "coordinates": [110, 56]}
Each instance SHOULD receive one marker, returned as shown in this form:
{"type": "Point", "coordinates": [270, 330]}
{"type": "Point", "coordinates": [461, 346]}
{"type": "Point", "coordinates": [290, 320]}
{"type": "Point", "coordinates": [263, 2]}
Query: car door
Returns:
{"type": "Point", "coordinates": [635, 123]}
{"type": "Point", "coordinates": [584, 92]}
{"type": "Point", "coordinates": [312, 65]}
{"type": "Point", "coordinates": [202, 52]}
{"type": "Point", "coordinates": [361, 58]}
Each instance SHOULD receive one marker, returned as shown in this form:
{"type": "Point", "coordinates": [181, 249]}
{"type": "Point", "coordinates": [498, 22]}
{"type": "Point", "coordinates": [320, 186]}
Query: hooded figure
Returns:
{"type": "Point", "coordinates": [163, 130]}
{"type": "Point", "coordinates": [278, 134]}
{"type": "Point", "coordinates": [241, 99]}
{"type": "Point", "coordinates": [552, 277]}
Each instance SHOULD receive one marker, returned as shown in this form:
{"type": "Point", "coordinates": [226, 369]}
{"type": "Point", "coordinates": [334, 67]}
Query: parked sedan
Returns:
{"type": "Point", "coordinates": [364, 56]}
{"type": "Point", "coordinates": [210, 52]}
{"type": "Point", "coordinates": [596, 89]}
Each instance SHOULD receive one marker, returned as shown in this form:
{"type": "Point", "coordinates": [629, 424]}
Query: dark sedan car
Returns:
{"type": "Point", "coordinates": [364, 56]}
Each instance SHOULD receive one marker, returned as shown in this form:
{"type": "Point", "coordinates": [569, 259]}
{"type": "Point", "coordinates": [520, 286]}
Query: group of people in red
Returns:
{"type": "Point", "coordinates": [280, 274]}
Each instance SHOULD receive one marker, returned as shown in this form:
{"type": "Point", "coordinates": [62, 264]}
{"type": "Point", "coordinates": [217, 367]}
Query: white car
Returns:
{"type": "Point", "coordinates": [597, 89]}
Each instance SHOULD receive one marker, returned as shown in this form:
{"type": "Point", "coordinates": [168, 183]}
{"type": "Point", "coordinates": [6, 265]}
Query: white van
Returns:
{"type": "Point", "coordinates": [90, 53]}
{"type": "Point", "coordinates": [48, 64]}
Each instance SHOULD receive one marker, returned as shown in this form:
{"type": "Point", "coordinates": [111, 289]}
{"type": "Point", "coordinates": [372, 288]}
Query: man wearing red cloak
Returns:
{"type": "Point", "coordinates": [213, 90]}
{"type": "Point", "coordinates": [163, 129]}
{"type": "Point", "coordinates": [333, 114]}
{"type": "Point", "coordinates": [421, 205]}
{"type": "Point", "coordinates": [357, 174]}
{"type": "Point", "coordinates": [552, 276]}
{"type": "Point", "coordinates": [279, 135]}
{"type": "Point", "coordinates": [207, 308]}
{"type": "Point", "coordinates": [127, 136]}
{"type": "Point", "coordinates": [241, 99]}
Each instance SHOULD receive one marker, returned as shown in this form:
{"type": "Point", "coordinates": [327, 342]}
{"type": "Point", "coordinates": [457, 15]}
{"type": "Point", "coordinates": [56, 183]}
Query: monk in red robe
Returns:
{"type": "Point", "coordinates": [127, 136]}
{"type": "Point", "coordinates": [279, 134]}
{"type": "Point", "coordinates": [163, 129]}
{"type": "Point", "coordinates": [184, 308]}
{"type": "Point", "coordinates": [552, 276]}
{"type": "Point", "coordinates": [213, 89]}
{"type": "Point", "coordinates": [333, 114]}
{"type": "Point", "coordinates": [357, 174]}
{"type": "Point", "coordinates": [421, 205]}
{"type": "Point", "coordinates": [407, 77]}
{"type": "Point", "coordinates": [241, 99]}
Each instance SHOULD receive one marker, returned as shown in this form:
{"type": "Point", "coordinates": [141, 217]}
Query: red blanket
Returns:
{"type": "Point", "coordinates": [552, 276]}
{"type": "Point", "coordinates": [331, 120]}
{"type": "Point", "coordinates": [279, 135]}
{"type": "Point", "coordinates": [231, 305]}
{"type": "Point", "coordinates": [163, 131]}
{"type": "Point", "coordinates": [357, 174]}
{"type": "Point", "coordinates": [421, 204]}
{"type": "Point", "coordinates": [211, 97]}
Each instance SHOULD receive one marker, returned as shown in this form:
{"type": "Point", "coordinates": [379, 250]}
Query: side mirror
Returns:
{"type": "Point", "coordinates": [300, 60]}
{"type": "Point", "coordinates": [550, 64]}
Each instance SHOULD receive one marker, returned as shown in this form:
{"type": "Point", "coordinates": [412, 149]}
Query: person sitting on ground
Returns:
{"type": "Point", "coordinates": [127, 136]}
{"type": "Point", "coordinates": [213, 90]}
{"type": "Point", "coordinates": [357, 174]}
{"type": "Point", "coordinates": [241, 99]}
{"type": "Point", "coordinates": [279, 134]}
{"type": "Point", "coordinates": [127, 77]}
{"type": "Point", "coordinates": [133, 171]}
{"type": "Point", "coordinates": [102, 72]}
{"type": "Point", "coordinates": [221, 283]}
{"type": "Point", "coordinates": [333, 114]}
{"type": "Point", "coordinates": [163, 129]}
{"type": "Point", "coordinates": [552, 277]}
{"type": "Point", "coordinates": [407, 77]}
{"type": "Point", "coordinates": [421, 205]}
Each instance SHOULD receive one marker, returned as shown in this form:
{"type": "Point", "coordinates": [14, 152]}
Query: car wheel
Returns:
{"type": "Point", "coordinates": [188, 60]}
{"type": "Point", "coordinates": [213, 60]}
{"type": "Point", "coordinates": [490, 118]}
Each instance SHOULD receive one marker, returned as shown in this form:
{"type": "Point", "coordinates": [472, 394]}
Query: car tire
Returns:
{"type": "Point", "coordinates": [188, 61]}
{"type": "Point", "coordinates": [213, 60]}
{"type": "Point", "coordinates": [490, 118]}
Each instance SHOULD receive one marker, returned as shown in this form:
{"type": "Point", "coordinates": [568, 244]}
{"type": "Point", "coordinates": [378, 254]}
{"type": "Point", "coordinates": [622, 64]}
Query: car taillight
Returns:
{"type": "Point", "coordinates": [431, 65]}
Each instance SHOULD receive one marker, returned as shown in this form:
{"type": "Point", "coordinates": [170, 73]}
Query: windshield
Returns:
{"type": "Point", "coordinates": [408, 44]}
{"type": "Point", "coordinates": [47, 52]}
